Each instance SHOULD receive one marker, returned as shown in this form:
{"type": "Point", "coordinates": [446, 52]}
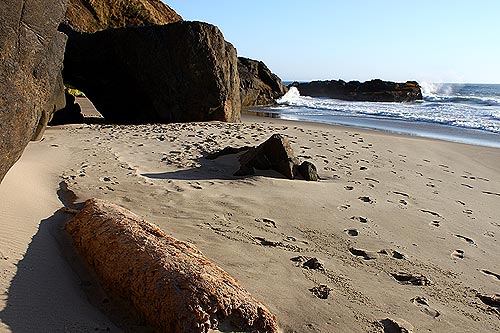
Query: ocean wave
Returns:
{"type": "Point", "coordinates": [455, 93]}
{"type": "Point", "coordinates": [471, 112]}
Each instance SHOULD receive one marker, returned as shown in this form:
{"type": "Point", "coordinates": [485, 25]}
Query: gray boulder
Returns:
{"type": "Point", "coordinates": [178, 72]}
{"type": "Point", "coordinates": [31, 56]}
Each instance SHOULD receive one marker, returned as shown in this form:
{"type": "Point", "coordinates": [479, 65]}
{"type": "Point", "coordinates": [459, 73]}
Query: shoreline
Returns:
{"type": "Point", "coordinates": [387, 204]}
{"type": "Point", "coordinates": [394, 126]}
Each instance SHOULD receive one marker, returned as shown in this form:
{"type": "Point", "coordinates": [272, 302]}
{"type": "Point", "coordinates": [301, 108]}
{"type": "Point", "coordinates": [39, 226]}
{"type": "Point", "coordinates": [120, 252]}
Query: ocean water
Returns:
{"type": "Point", "coordinates": [467, 113]}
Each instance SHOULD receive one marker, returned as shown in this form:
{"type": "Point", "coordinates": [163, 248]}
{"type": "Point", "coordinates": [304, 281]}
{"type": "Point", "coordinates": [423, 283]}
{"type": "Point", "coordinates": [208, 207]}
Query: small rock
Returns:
{"type": "Point", "coordinates": [308, 171]}
{"type": "Point", "coordinates": [322, 291]}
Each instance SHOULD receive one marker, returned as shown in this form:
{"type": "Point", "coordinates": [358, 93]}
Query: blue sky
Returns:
{"type": "Point", "coordinates": [434, 41]}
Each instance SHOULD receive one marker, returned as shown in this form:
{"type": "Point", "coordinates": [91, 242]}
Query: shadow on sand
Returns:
{"type": "Point", "coordinates": [221, 168]}
{"type": "Point", "coordinates": [46, 295]}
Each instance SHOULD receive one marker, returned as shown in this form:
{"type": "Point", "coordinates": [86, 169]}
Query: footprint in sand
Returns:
{"type": "Point", "coordinates": [361, 219]}
{"type": "Point", "coordinates": [344, 207]}
{"type": "Point", "coordinates": [394, 254]}
{"type": "Point", "coordinates": [396, 326]}
{"type": "Point", "coordinates": [467, 239]}
{"type": "Point", "coordinates": [352, 232]}
{"type": "Point", "coordinates": [492, 301]}
{"type": "Point", "coordinates": [491, 193]}
{"type": "Point", "coordinates": [435, 224]}
{"type": "Point", "coordinates": [430, 212]}
{"type": "Point", "coordinates": [415, 280]}
{"type": "Point", "coordinates": [348, 188]}
{"type": "Point", "coordinates": [366, 255]}
{"type": "Point", "coordinates": [423, 305]}
{"type": "Point", "coordinates": [367, 199]}
{"type": "Point", "coordinates": [267, 222]}
{"type": "Point", "coordinates": [458, 254]}
{"type": "Point", "coordinates": [490, 273]}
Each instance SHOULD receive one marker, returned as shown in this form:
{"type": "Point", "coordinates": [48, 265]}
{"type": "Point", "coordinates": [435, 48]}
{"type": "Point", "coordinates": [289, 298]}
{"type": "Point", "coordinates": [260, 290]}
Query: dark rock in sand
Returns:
{"type": "Point", "coordinates": [31, 54]}
{"type": "Point", "coordinates": [95, 15]}
{"type": "Point", "coordinates": [308, 171]}
{"type": "Point", "coordinates": [71, 113]}
{"type": "Point", "coordinates": [170, 283]}
{"type": "Point", "coordinates": [276, 153]}
{"type": "Point", "coordinates": [227, 151]}
{"type": "Point", "coordinates": [371, 91]}
{"type": "Point", "coordinates": [258, 85]}
{"type": "Point", "coordinates": [178, 72]}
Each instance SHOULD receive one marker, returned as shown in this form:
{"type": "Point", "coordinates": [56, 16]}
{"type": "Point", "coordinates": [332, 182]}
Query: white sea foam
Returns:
{"type": "Point", "coordinates": [446, 104]}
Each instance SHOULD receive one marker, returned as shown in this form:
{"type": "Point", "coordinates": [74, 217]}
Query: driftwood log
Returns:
{"type": "Point", "coordinates": [169, 282]}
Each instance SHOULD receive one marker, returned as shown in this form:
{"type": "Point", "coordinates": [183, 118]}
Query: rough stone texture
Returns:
{"type": "Point", "coordinates": [258, 85]}
{"type": "Point", "coordinates": [275, 153]}
{"type": "Point", "coordinates": [371, 91]}
{"type": "Point", "coordinates": [95, 15]}
{"type": "Point", "coordinates": [178, 72]}
{"type": "Point", "coordinates": [31, 53]}
{"type": "Point", "coordinates": [171, 283]}
{"type": "Point", "coordinates": [308, 171]}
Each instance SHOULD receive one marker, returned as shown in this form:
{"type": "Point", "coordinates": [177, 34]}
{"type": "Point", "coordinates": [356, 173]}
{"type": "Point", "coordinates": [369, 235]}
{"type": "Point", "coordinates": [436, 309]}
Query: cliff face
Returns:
{"type": "Point", "coordinates": [370, 91]}
{"type": "Point", "coordinates": [258, 85]}
{"type": "Point", "coordinates": [178, 72]}
{"type": "Point", "coordinates": [31, 55]}
{"type": "Point", "coordinates": [95, 15]}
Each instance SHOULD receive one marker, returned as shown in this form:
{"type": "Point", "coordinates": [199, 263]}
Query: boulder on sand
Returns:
{"type": "Point", "coordinates": [31, 56]}
{"type": "Point", "coordinates": [169, 282]}
{"type": "Point", "coordinates": [178, 72]}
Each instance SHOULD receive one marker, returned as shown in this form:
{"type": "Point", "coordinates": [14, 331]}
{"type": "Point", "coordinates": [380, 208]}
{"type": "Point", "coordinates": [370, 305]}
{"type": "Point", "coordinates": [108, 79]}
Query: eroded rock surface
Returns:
{"type": "Point", "coordinates": [94, 15]}
{"type": "Point", "coordinates": [170, 282]}
{"type": "Point", "coordinates": [258, 85]}
{"type": "Point", "coordinates": [31, 56]}
{"type": "Point", "coordinates": [178, 72]}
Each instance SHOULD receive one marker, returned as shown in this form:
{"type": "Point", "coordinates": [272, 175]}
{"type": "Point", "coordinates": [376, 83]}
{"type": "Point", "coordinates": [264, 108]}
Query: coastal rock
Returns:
{"type": "Point", "coordinates": [308, 171]}
{"type": "Point", "coordinates": [169, 282]}
{"type": "Point", "coordinates": [370, 91]}
{"type": "Point", "coordinates": [71, 113]}
{"type": "Point", "coordinates": [94, 15]}
{"type": "Point", "coordinates": [275, 153]}
{"type": "Point", "coordinates": [178, 72]}
{"type": "Point", "coordinates": [31, 54]}
{"type": "Point", "coordinates": [258, 85]}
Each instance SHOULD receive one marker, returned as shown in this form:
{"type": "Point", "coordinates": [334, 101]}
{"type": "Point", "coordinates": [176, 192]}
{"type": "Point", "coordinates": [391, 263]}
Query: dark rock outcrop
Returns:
{"type": "Point", "coordinates": [31, 54]}
{"type": "Point", "coordinates": [94, 15]}
{"type": "Point", "coordinates": [258, 85]}
{"type": "Point", "coordinates": [170, 283]}
{"type": "Point", "coordinates": [178, 72]}
{"type": "Point", "coordinates": [370, 91]}
{"type": "Point", "coordinates": [276, 154]}
{"type": "Point", "coordinates": [71, 113]}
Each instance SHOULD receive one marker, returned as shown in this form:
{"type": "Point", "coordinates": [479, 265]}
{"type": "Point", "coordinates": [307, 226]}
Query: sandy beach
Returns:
{"type": "Point", "coordinates": [404, 228]}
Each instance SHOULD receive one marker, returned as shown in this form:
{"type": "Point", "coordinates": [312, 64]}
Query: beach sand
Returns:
{"type": "Point", "coordinates": [389, 209]}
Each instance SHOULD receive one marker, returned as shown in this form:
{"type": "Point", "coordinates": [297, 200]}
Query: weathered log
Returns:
{"type": "Point", "coordinates": [169, 282]}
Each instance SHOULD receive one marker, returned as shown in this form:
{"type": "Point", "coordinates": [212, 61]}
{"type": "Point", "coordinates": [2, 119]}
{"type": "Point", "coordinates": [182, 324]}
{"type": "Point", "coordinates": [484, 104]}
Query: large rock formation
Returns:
{"type": "Point", "coordinates": [170, 283]}
{"type": "Point", "coordinates": [95, 15]}
{"type": "Point", "coordinates": [31, 54]}
{"type": "Point", "coordinates": [371, 91]}
{"type": "Point", "coordinates": [178, 72]}
{"type": "Point", "coordinates": [258, 85]}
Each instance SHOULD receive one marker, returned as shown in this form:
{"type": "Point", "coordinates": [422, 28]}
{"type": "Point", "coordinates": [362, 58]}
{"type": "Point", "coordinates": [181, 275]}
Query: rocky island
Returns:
{"type": "Point", "coordinates": [369, 91]}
